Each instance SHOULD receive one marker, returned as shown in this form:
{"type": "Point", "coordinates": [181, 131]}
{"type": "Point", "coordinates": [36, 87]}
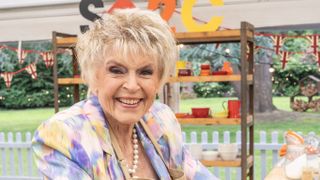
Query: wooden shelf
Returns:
{"type": "Point", "coordinates": [209, 37]}
{"type": "Point", "coordinates": [70, 81]}
{"type": "Point", "coordinates": [214, 78]}
{"type": "Point", "coordinates": [184, 37]}
{"type": "Point", "coordinates": [66, 42]}
{"type": "Point", "coordinates": [210, 121]}
{"type": "Point", "coordinates": [213, 121]}
{"type": "Point", "coordinates": [222, 163]}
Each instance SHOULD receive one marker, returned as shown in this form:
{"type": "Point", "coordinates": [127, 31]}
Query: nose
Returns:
{"type": "Point", "coordinates": [131, 84]}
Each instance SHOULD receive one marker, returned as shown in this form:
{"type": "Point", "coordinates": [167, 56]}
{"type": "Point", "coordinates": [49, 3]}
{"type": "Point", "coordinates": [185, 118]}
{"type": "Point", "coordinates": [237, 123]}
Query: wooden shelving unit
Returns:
{"type": "Point", "coordinates": [64, 41]}
{"type": "Point", "coordinates": [244, 36]}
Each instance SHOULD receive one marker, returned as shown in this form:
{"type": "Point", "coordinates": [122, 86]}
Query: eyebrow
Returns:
{"type": "Point", "coordinates": [150, 65]}
{"type": "Point", "coordinates": [114, 62]}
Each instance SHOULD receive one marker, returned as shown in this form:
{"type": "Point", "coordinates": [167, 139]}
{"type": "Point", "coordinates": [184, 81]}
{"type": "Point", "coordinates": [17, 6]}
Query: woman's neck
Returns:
{"type": "Point", "coordinates": [122, 132]}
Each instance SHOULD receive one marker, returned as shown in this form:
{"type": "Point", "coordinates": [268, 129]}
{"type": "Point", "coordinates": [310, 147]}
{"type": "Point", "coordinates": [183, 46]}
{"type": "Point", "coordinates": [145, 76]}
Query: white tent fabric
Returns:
{"type": "Point", "coordinates": [36, 19]}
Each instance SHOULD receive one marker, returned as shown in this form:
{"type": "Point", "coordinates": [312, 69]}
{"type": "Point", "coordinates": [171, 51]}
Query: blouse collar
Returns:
{"type": "Point", "coordinates": [96, 117]}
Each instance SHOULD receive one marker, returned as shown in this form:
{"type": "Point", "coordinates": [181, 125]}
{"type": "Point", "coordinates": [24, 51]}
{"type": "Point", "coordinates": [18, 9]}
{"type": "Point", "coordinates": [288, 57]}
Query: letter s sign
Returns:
{"type": "Point", "coordinates": [84, 11]}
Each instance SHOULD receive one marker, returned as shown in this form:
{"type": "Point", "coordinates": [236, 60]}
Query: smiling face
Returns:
{"type": "Point", "coordinates": [127, 90]}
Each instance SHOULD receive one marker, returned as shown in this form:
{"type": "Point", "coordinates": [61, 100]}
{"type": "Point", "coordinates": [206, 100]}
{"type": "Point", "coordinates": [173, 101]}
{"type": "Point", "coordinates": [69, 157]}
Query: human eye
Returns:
{"type": "Point", "coordinates": [146, 72]}
{"type": "Point", "coordinates": [117, 70]}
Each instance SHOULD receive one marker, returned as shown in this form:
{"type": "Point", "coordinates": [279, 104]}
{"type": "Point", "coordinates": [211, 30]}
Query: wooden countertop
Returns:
{"type": "Point", "coordinates": [276, 173]}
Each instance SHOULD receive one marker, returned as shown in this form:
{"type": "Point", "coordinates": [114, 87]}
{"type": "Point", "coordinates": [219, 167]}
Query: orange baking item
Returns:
{"type": "Point", "coordinates": [227, 67]}
{"type": "Point", "coordinates": [283, 150]}
{"type": "Point", "coordinates": [293, 138]}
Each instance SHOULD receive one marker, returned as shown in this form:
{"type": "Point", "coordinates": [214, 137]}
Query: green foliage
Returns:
{"type": "Point", "coordinates": [198, 54]}
{"type": "Point", "coordinates": [286, 81]}
{"type": "Point", "coordinates": [213, 89]}
{"type": "Point", "coordinates": [26, 92]}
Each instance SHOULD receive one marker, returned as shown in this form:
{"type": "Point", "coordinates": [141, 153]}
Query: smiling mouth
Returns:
{"type": "Point", "coordinates": [129, 101]}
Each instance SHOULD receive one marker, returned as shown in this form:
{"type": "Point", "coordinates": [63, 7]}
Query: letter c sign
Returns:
{"type": "Point", "coordinates": [191, 25]}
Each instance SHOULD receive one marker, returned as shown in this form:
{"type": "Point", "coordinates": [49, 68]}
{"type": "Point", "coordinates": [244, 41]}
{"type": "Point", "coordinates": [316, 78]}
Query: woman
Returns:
{"type": "Point", "coordinates": [119, 132]}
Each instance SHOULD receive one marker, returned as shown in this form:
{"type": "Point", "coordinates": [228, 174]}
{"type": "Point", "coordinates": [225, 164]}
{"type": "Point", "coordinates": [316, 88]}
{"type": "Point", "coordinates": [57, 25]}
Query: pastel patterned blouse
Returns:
{"type": "Point", "coordinates": [75, 144]}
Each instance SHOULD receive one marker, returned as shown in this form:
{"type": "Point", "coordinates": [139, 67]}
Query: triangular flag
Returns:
{"type": "Point", "coordinates": [7, 76]}
{"type": "Point", "coordinates": [121, 4]}
{"type": "Point", "coordinates": [314, 40]}
{"type": "Point", "coordinates": [32, 70]}
{"type": "Point", "coordinates": [277, 43]}
{"type": "Point", "coordinates": [284, 58]}
{"type": "Point", "coordinates": [317, 56]}
{"type": "Point", "coordinates": [47, 58]}
{"type": "Point", "coordinates": [22, 54]}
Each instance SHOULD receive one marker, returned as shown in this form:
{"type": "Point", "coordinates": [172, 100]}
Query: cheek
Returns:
{"type": "Point", "coordinates": [150, 88]}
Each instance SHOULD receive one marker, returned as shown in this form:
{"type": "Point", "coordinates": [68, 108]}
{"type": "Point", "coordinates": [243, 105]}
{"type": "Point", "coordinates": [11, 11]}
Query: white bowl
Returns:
{"type": "Point", "coordinates": [210, 155]}
{"type": "Point", "coordinates": [228, 147]}
{"type": "Point", "coordinates": [228, 155]}
{"type": "Point", "coordinates": [196, 150]}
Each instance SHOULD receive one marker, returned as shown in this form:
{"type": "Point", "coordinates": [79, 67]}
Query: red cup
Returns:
{"type": "Point", "coordinates": [205, 66]}
{"type": "Point", "coordinates": [234, 108]}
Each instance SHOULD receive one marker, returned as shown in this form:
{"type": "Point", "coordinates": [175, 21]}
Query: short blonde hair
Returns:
{"type": "Point", "coordinates": [127, 32]}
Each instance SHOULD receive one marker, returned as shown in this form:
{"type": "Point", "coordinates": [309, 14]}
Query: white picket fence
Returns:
{"type": "Point", "coordinates": [17, 159]}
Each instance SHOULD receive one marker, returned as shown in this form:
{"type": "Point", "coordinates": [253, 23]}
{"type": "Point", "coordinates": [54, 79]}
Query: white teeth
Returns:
{"type": "Point", "coordinates": [129, 101]}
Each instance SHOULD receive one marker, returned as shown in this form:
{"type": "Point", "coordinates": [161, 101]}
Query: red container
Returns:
{"type": "Point", "coordinates": [184, 72]}
{"type": "Point", "coordinates": [205, 72]}
{"type": "Point", "coordinates": [219, 73]}
{"type": "Point", "coordinates": [200, 112]}
{"type": "Point", "coordinates": [205, 66]}
{"type": "Point", "coordinates": [234, 108]}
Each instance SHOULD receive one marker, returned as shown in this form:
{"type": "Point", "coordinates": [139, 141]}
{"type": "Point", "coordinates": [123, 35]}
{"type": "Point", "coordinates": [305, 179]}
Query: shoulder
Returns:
{"type": "Point", "coordinates": [70, 133]}
{"type": "Point", "coordinates": [65, 123]}
{"type": "Point", "coordinates": [163, 114]}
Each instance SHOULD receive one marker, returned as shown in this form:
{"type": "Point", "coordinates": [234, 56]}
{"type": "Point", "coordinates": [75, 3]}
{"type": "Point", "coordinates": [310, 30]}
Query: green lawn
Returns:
{"type": "Point", "coordinates": [28, 120]}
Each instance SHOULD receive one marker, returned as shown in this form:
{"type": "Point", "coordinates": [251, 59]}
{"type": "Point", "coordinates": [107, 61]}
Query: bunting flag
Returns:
{"type": "Point", "coordinates": [32, 70]}
{"type": "Point", "coordinates": [318, 57]}
{"type": "Point", "coordinates": [22, 54]}
{"type": "Point", "coordinates": [277, 43]}
{"type": "Point", "coordinates": [47, 58]}
{"type": "Point", "coordinates": [284, 58]}
{"type": "Point", "coordinates": [314, 40]}
{"type": "Point", "coordinates": [7, 76]}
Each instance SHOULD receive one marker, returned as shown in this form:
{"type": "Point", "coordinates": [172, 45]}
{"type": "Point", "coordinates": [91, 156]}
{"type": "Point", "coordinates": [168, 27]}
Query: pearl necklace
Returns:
{"type": "Point", "coordinates": [135, 152]}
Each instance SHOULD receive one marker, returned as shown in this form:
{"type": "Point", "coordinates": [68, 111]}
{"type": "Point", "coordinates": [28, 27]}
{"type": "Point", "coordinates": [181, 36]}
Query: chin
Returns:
{"type": "Point", "coordinates": [129, 118]}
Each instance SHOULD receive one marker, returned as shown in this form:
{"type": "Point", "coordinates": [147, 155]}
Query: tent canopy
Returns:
{"type": "Point", "coordinates": [36, 19]}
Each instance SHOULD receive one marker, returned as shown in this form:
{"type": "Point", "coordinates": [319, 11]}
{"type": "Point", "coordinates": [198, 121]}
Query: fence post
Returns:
{"type": "Point", "coordinates": [29, 150]}
{"type": "Point", "coordinates": [215, 141]}
{"type": "Point", "coordinates": [11, 152]}
{"type": "Point", "coordinates": [263, 155]}
{"type": "Point", "coordinates": [20, 161]}
{"type": "Point", "coordinates": [204, 137]}
{"type": "Point", "coordinates": [226, 139]}
{"type": "Point", "coordinates": [3, 155]}
{"type": "Point", "coordinates": [193, 137]}
{"type": "Point", "coordinates": [274, 141]}
{"type": "Point", "coordinates": [238, 141]}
